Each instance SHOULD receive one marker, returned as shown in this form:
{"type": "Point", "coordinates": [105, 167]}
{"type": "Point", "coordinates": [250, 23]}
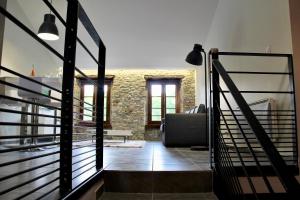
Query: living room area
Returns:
{"type": "Point", "coordinates": [151, 114]}
{"type": "Point", "coordinates": [127, 104]}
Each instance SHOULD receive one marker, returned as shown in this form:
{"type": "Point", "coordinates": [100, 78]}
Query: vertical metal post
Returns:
{"type": "Point", "coordinates": [210, 111]}
{"type": "Point", "coordinates": [206, 106]}
{"type": "Point", "coordinates": [55, 123]}
{"type": "Point", "coordinates": [24, 120]}
{"type": "Point", "coordinates": [67, 98]}
{"type": "Point", "coordinates": [293, 103]}
{"type": "Point", "coordinates": [100, 107]}
{"type": "Point", "coordinates": [216, 102]}
{"type": "Point", "coordinates": [2, 26]}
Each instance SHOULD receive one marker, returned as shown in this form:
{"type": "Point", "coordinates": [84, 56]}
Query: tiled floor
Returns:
{"type": "Point", "coordinates": [153, 157]}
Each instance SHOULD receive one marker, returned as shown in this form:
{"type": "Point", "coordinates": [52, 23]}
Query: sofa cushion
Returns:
{"type": "Point", "coordinates": [201, 108]}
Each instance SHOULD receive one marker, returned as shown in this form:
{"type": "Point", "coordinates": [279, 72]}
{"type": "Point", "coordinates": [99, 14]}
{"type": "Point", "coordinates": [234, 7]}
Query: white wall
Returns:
{"type": "Point", "coordinates": [20, 51]}
{"type": "Point", "coordinates": [251, 26]}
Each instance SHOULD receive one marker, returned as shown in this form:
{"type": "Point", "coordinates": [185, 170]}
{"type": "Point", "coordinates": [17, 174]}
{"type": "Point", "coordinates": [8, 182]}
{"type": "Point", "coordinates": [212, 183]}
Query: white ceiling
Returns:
{"type": "Point", "coordinates": [137, 33]}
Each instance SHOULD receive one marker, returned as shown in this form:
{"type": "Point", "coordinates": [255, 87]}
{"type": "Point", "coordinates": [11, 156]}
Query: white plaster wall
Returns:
{"type": "Point", "coordinates": [251, 26]}
{"type": "Point", "coordinates": [20, 51]}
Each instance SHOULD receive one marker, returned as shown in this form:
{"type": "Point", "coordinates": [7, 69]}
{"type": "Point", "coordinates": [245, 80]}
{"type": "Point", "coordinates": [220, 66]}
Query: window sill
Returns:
{"type": "Point", "coordinates": [152, 126]}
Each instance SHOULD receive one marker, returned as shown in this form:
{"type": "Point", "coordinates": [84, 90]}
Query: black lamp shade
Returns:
{"type": "Point", "coordinates": [48, 29]}
{"type": "Point", "coordinates": [195, 56]}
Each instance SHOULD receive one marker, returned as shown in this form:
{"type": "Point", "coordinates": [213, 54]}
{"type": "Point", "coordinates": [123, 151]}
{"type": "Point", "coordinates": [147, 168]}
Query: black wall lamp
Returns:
{"type": "Point", "coordinates": [195, 58]}
{"type": "Point", "coordinates": [48, 29]}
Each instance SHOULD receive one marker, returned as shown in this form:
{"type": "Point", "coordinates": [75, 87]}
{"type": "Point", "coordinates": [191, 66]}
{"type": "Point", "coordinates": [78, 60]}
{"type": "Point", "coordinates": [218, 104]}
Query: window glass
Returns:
{"type": "Point", "coordinates": [170, 102]}
{"type": "Point", "coordinates": [88, 90]}
{"type": "Point", "coordinates": [156, 90]}
{"type": "Point", "coordinates": [170, 90]}
{"type": "Point", "coordinates": [89, 98]}
{"type": "Point", "coordinates": [162, 97]}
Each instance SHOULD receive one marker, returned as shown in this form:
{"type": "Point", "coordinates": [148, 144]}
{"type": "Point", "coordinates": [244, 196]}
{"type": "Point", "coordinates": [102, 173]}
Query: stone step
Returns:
{"type": "Point", "coordinates": [158, 181]}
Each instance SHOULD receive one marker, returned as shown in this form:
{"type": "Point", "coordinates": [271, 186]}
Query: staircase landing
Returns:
{"type": "Point", "coordinates": [155, 157]}
{"type": "Point", "coordinates": [156, 169]}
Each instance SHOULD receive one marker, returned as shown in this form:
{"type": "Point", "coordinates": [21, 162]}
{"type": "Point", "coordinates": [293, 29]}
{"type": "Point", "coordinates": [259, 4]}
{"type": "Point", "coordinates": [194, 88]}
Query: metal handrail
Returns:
{"type": "Point", "coordinates": [288, 180]}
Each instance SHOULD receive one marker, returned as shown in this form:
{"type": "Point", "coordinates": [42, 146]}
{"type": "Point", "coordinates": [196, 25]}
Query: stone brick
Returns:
{"type": "Point", "coordinates": [129, 98]}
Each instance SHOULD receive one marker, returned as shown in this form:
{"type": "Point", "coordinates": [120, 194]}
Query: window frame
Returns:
{"type": "Point", "coordinates": [108, 82]}
{"type": "Point", "coordinates": [162, 81]}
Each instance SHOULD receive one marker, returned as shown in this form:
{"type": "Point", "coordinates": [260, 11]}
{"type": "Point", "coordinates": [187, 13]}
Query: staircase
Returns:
{"type": "Point", "coordinates": [254, 142]}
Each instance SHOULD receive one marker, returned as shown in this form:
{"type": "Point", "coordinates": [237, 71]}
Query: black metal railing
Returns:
{"type": "Point", "coordinates": [46, 151]}
{"type": "Point", "coordinates": [251, 144]}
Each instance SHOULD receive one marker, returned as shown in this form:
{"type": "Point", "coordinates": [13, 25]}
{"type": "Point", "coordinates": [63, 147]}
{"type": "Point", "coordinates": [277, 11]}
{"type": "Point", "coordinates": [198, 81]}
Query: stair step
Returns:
{"type": "Point", "coordinates": [158, 181]}
{"type": "Point", "coordinates": [158, 196]}
{"type": "Point", "coordinates": [276, 196]}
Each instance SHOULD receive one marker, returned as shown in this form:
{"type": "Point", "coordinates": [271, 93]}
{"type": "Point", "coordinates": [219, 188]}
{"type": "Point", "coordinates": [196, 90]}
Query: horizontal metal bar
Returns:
{"type": "Point", "coordinates": [29, 32]}
{"type": "Point", "coordinates": [280, 115]}
{"type": "Point", "coordinates": [264, 128]}
{"type": "Point", "coordinates": [253, 142]}
{"type": "Point", "coordinates": [27, 182]}
{"type": "Point", "coordinates": [28, 78]}
{"type": "Point", "coordinates": [260, 158]}
{"type": "Point", "coordinates": [86, 77]}
{"type": "Point", "coordinates": [81, 101]}
{"type": "Point", "coordinates": [27, 147]}
{"type": "Point", "coordinates": [268, 133]}
{"type": "Point", "coordinates": [85, 152]}
{"type": "Point", "coordinates": [81, 107]}
{"type": "Point", "coordinates": [28, 90]}
{"type": "Point", "coordinates": [27, 124]}
{"type": "Point", "coordinates": [74, 170]}
{"type": "Point", "coordinates": [256, 73]}
{"type": "Point", "coordinates": [258, 154]}
{"type": "Point", "coordinates": [260, 92]}
{"type": "Point", "coordinates": [84, 185]}
{"type": "Point", "coordinates": [83, 146]}
{"type": "Point", "coordinates": [82, 114]}
{"type": "Point", "coordinates": [28, 102]}
{"type": "Point", "coordinates": [253, 138]}
{"type": "Point", "coordinates": [253, 54]}
{"type": "Point", "coordinates": [28, 113]}
{"type": "Point", "coordinates": [27, 136]}
{"type": "Point", "coordinates": [88, 51]}
{"type": "Point", "coordinates": [74, 163]}
{"type": "Point", "coordinates": [83, 140]}
{"type": "Point", "coordinates": [292, 119]}
{"type": "Point", "coordinates": [27, 159]}
{"type": "Point", "coordinates": [257, 145]}
{"type": "Point", "coordinates": [256, 110]}
{"type": "Point", "coordinates": [264, 124]}
{"type": "Point", "coordinates": [83, 172]}
{"type": "Point", "coordinates": [36, 189]}
{"type": "Point", "coordinates": [87, 126]}
{"type": "Point", "coordinates": [27, 170]}
{"type": "Point", "coordinates": [47, 193]}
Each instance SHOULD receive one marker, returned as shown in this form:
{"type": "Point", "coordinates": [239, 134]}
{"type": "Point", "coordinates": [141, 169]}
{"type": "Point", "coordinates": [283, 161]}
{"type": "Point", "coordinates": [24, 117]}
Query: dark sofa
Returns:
{"type": "Point", "coordinates": [185, 129]}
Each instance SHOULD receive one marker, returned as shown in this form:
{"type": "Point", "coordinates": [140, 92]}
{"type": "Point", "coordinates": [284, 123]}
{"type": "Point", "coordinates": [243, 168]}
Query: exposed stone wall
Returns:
{"type": "Point", "coordinates": [76, 95]}
{"type": "Point", "coordinates": [129, 98]}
